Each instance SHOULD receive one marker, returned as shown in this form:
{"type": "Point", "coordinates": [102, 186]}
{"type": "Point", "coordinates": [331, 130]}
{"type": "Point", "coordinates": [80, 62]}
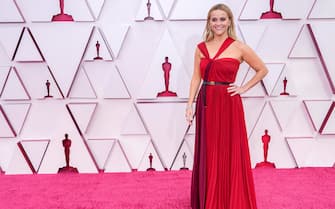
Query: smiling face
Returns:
{"type": "Point", "coordinates": [219, 22]}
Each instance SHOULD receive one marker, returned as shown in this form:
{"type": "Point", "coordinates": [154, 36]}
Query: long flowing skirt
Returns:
{"type": "Point", "coordinates": [222, 176]}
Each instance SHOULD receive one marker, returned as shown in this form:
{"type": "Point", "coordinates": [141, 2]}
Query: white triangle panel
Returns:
{"type": "Point", "coordinates": [79, 10]}
{"type": "Point", "coordinates": [106, 80]}
{"type": "Point", "coordinates": [18, 164]}
{"type": "Point", "coordinates": [82, 113]}
{"type": "Point", "coordinates": [115, 35]}
{"type": "Point", "coordinates": [256, 91]}
{"type": "Point", "coordinates": [290, 11]}
{"type": "Point", "coordinates": [108, 119]}
{"type": "Point", "coordinates": [7, 148]}
{"type": "Point", "coordinates": [278, 88]}
{"type": "Point", "coordinates": [187, 41]}
{"type": "Point", "coordinates": [279, 152]}
{"type": "Point", "coordinates": [82, 86]}
{"type": "Point", "coordinates": [145, 161]}
{"type": "Point", "coordinates": [9, 12]}
{"type": "Point", "coordinates": [62, 49]}
{"type": "Point", "coordinates": [253, 9]}
{"type": "Point", "coordinates": [10, 40]}
{"type": "Point", "coordinates": [27, 50]}
{"type": "Point", "coordinates": [154, 10]}
{"type": "Point", "coordinates": [311, 152]}
{"type": "Point", "coordinates": [35, 150]}
{"type": "Point", "coordinates": [252, 110]}
{"type": "Point", "coordinates": [52, 120]}
{"type": "Point", "coordinates": [323, 9]}
{"type": "Point", "coordinates": [134, 147]}
{"type": "Point", "coordinates": [323, 32]}
{"type": "Point", "coordinates": [154, 81]}
{"type": "Point", "coordinates": [269, 81]}
{"type": "Point", "coordinates": [304, 45]}
{"type": "Point", "coordinates": [101, 149]}
{"type": "Point", "coordinates": [17, 114]}
{"type": "Point", "coordinates": [274, 46]}
{"type": "Point", "coordinates": [196, 9]}
{"type": "Point", "coordinates": [314, 84]}
{"type": "Point", "coordinates": [252, 33]}
{"type": "Point", "coordinates": [133, 123]}
{"type": "Point", "coordinates": [292, 117]}
{"type": "Point", "coordinates": [115, 87]}
{"type": "Point", "coordinates": [97, 43]}
{"type": "Point", "coordinates": [166, 6]}
{"type": "Point", "coordinates": [4, 58]}
{"type": "Point", "coordinates": [14, 88]}
{"type": "Point", "coordinates": [330, 122]}
{"type": "Point", "coordinates": [96, 7]}
{"type": "Point", "coordinates": [170, 131]}
{"type": "Point", "coordinates": [317, 111]}
{"type": "Point", "coordinates": [117, 161]}
{"type": "Point", "coordinates": [6, 129]}
{"type": "Point", "coordinates": [35, 76]}
{"type": "Point", "coordinates": [3, 76]}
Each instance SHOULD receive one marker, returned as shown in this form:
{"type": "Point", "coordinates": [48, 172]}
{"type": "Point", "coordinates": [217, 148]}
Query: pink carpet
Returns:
{"type": "Point", "coordinates": [308, 188]}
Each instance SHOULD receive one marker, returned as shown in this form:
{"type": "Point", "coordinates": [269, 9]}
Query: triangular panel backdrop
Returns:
{"type": "Point", "coordinates": [97, 77]}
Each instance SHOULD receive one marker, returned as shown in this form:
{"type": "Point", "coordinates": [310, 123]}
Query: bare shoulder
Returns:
{"type": "Point", "coordinates": [241, 46]}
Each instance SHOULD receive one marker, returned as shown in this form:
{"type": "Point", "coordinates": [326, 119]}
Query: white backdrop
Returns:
{"type": "Point", "coordinates": [109, 107]}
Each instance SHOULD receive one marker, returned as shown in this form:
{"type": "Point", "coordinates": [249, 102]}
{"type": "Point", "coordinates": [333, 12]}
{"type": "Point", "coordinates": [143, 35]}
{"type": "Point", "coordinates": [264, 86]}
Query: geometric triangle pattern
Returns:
{"type": "Point", "coordinates": [6, 128]}
{"type": "Point", "coordinates": [117, 160]}
{"type": "Point", "coordinates": [322, 9]}
{"type": "Point", "coordinates": [293, 118]}
{"type": "Point", "coordinates": [35, 76]}
{"type": "Point", "coordinates": [310, 152]}
{"type": "Point", "coordinates": [166, 52]}
{"type": "Point", "coordinates": [106, 80]}
{"type": "Point", "coordinates": [279, 151]}
{"type": "Point", "coordinates": [34, 151]}
{"type": "Point", "coordinates": [9, 12]}
{"type": "Point", "coordinates": [167, 6]}
{"type": "Point", "coordinates": [115, 35]}
{"type": "Point", "coordinates": [328, 125]}
{"type": "Point", "coordinates": [101, 149]}
{"type": "Point", "coordinates": [317, 111]}
{"type": "Point", "coordinates": [133, 124]}
{"type": "Point", "coordinates": [302, 47]}
{"type": "Point", "coordinates": [149, 10]}
{"type": "Point", "coordinates": [97, 48]}
{"type": "Point", "coordinates": [97, 79]}
{"type": "Point", "coordinates": [320, 32]}
{"type": "Point", "coordinates": [13, 88]}
{"type": "Point", "coordinates": [96, 7]}
{"type": "Point", "coordinates": [27, 50]}
{"type": "Point", "coordinates": [82, 114]}
{"type": "Point", "coordinates": [17, 114]}
{"type": "Point", "coordinates": [82, 87]}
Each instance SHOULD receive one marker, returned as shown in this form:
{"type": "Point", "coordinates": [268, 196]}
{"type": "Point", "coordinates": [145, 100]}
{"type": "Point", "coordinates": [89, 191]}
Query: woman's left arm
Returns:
{"type": "Point", "coordinates": [251, 58]}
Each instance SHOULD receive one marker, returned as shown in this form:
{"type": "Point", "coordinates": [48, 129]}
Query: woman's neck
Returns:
{"type": "Point", "coordinates": [220, 39]}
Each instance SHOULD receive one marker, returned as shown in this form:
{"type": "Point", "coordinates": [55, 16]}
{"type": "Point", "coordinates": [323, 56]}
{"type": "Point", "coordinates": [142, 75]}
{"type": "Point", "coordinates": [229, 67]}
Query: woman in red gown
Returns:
{"type": "Point", "coordinates": [222, 176]}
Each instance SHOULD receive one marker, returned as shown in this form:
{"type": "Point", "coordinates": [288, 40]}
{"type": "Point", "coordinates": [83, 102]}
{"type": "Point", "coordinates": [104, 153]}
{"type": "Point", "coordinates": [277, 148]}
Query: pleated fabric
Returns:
{"type": "Point", "coordinates": [222, 176]}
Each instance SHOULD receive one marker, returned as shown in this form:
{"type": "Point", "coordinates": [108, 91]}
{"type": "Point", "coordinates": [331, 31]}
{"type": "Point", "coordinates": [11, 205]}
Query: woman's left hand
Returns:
{"type": "Point", "coordinates": [234, 89]}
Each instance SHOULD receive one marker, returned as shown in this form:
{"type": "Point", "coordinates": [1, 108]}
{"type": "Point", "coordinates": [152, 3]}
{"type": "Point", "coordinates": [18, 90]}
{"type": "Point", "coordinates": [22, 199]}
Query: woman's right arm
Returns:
{"type": "Point", "coordinates": [194, 86]}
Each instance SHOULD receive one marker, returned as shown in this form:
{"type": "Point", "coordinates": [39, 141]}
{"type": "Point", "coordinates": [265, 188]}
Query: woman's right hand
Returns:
{"type": "Point", "coordinates": [189, 114]}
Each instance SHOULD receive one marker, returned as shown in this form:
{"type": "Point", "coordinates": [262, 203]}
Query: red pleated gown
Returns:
{"type": "Point", "coordinates": [222, 176]}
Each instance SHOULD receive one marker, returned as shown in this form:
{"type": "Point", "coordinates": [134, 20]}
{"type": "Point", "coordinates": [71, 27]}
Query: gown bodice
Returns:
{"type": "Point", "coordinates": [222, 69]}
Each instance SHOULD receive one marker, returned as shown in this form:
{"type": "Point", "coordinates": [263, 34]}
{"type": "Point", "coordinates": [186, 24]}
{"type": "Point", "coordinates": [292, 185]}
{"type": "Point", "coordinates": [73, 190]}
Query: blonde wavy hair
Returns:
{"type": "Point", "coordinates": [208, 34]}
